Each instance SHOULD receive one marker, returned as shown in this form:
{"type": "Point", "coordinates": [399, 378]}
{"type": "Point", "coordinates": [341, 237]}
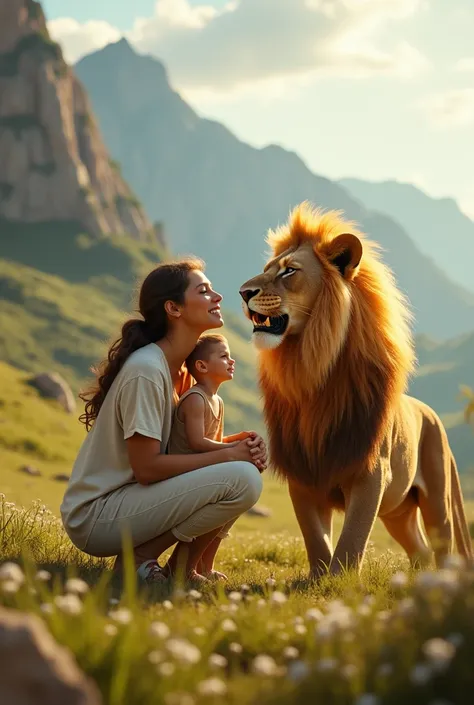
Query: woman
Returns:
{"type": "Point", "coordinates": [122, 479]}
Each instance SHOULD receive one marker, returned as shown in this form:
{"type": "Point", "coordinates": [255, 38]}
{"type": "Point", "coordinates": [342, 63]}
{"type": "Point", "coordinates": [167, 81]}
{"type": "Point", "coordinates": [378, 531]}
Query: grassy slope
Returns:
{"type": "Point", "coordinates": [37, 432]}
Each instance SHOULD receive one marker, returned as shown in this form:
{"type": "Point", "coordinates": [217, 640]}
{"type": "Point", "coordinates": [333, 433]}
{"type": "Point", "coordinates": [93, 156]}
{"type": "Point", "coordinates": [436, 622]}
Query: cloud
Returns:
{"type": "Point", "coordinates": [258, 41]}
{"type": "Point", "coordinates": [466, 64]}
{"type": "Point", "coordinates": [78, 39]}
{"type": "Point", "coordinates": [454, 108]}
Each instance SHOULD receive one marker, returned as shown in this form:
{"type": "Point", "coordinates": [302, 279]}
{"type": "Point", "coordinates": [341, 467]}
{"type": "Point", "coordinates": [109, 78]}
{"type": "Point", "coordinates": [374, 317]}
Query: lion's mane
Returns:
{"type": "Point", "coordinates": [330, 392]}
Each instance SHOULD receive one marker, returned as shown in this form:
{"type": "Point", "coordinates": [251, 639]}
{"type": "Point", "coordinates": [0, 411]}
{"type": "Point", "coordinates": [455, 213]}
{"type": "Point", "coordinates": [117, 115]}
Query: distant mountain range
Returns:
{"type": "Point", "coordinates": [436, 225]}
{"type": "Point", "coordinates": [217, 196]}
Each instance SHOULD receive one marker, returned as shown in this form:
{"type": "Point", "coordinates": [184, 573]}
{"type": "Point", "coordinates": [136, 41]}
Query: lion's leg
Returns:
{"type": "Point", "coordinates": [437, 518]}
{"type": "Point", "coordinates": [406, 530]}
{"type": "Point", "coordinates": [435, 498]}
{"type": "Point", "coordinates": [362, 506]}
{"type": "Point", "coordinates": [315, 521]}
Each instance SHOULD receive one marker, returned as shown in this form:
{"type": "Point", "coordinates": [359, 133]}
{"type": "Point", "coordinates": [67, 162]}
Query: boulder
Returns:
{"type": "Point", "coordinates": [53, 386]}
{"type": "Point", "coordinates": [61, 477]}
{"type": "Point", "coordinates": [30, 470]}
{"type": "Point", "coordinates": [35, 669]}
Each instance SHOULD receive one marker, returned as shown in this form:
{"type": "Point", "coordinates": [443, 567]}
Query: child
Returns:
{"type": "Point", "coordinates": [198, 423]}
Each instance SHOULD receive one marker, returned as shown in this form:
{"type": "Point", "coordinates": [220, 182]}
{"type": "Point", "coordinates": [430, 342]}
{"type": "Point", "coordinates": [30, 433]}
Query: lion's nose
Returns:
{"type": "Point", "coordinates": [248, 294]}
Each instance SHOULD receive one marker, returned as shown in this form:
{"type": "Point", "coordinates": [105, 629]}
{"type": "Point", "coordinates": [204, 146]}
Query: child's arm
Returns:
{"type": "Point", "coordinates": [192, 414]}
{"type": "Point", "coordinates": [237, 437]}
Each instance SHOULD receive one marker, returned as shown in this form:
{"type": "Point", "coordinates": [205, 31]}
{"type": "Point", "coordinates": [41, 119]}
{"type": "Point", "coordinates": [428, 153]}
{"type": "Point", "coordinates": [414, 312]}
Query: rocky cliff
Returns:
{"type": "Point", "coordinates": [53, 162]}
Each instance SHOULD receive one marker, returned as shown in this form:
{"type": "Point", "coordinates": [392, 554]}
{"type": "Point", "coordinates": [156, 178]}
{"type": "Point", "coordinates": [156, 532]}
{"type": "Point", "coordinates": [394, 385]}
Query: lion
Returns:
{"type": "Point", "coordinates": [335, 353]}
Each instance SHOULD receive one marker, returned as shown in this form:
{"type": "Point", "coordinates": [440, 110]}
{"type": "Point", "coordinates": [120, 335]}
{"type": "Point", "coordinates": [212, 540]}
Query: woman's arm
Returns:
{"type": "Point", "coordinates": [150, 465]}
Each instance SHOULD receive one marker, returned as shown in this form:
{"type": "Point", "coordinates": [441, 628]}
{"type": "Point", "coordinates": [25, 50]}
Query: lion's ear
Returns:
{"type": "Point", "coordinates": [345, 253]}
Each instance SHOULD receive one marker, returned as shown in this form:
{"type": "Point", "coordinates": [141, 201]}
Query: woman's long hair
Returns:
{"type": "Point", "coordinates": [168, 282]}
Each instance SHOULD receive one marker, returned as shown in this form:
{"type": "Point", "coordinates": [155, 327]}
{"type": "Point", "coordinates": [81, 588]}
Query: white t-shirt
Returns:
{"type": "Point", "coordinates": [140, 400]}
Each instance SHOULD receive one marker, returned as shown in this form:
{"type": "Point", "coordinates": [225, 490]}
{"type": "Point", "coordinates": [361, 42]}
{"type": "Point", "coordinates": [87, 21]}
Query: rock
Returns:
{"type": "Point", "coordinates": [259, 511]}
{"type": "Point", "coordinates": [35, 670]}
{"type": "Point", "coordinates": [53, 386]}
{"type": "Point", "coordinates": [61, 477]}
{"type": "Point", "coordinates": [30, 470]}
{"type": "Point", "coordinates": [54, 163]}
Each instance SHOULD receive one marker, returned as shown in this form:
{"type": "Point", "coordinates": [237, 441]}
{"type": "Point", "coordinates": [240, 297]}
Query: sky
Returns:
{"type": "Point", "coordinates": [374, 89]}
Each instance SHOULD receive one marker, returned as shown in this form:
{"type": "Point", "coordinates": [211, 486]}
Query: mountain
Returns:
{"type": "Point", "coordinates": [218, 196]}
{"type": "Point", "coordinates": [53, 163]}
{"type": "Point", "coordinates": [437, 225]}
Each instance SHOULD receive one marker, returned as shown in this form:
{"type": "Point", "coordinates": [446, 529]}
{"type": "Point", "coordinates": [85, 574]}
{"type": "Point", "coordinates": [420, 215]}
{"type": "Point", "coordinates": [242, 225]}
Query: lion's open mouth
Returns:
{"type": "Point", "coordinates": [276, 325]}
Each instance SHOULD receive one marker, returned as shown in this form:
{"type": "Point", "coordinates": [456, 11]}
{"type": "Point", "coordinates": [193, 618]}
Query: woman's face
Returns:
{"type": "Point", "coordinates": [201, 309]}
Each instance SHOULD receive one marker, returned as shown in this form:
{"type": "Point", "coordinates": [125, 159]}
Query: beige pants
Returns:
{"type": "Point", "coordinates": [189, 505]}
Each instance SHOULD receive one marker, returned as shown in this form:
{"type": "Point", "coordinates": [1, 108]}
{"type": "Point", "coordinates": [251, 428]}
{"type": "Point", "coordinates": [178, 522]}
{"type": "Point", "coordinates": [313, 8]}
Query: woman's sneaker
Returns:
{"type": "Point", "coordinates": [150, 572]}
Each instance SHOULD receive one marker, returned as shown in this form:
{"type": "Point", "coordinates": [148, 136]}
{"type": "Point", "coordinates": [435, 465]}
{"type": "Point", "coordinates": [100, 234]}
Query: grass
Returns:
{"type": "Point", "coordinates": [268, 636]}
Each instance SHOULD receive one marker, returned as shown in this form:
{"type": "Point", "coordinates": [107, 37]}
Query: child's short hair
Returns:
{"type": "Point", "coordinates": [203, 349]}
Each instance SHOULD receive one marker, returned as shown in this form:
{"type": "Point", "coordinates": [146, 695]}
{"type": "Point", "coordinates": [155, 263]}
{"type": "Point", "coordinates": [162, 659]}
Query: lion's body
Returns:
{"type": "Point", "coordinates": [342, 431]}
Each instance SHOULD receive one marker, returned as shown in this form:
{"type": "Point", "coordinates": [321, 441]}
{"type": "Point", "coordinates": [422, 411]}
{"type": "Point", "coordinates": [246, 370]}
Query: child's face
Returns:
{"type": "Point", "coordinates": [219, 365]}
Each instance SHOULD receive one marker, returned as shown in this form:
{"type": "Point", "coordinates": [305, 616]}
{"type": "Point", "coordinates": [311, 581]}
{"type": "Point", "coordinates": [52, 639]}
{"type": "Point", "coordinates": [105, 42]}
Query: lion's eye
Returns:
{"type": "Point", "coordinates": [288, 272]}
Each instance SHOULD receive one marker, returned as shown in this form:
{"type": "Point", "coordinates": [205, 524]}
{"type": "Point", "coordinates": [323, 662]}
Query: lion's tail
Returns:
{"type": "Point", "coordinates": [461, 529]}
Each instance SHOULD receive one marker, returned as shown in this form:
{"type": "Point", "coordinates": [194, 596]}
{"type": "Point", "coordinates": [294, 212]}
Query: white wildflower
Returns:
{"type": "Point", "coordinates": [421, 674]}
{"type": "Point", "coordinates": [155, 657]}
{"type": "Point", "coordinates": [199, 631]}
{"type": "Point", "coordinates": [76, 586]}
{"type": "Point", "coordinates": [43, 576]}
{"type": "Point", "coordinates": [9, 587]}
{"type": "Point", "coordinates": [261, 602]}
{"type": "Point", "coordinates": [456, 639]}
{"type": "Point", "coordinates": [364, 610]}
{"type": "Point", "coordinates": [217, 661]}
{"type": "Point", "coordinates": [212, 686]}
{"type": "Point", "coordinates": [271, 582]}
{"type": "Point", "coordinates": [122, 615]}
{"type": "Point", "coordinates": [110, 629]}
{"type": "Point", "coordinates": [47, 608]}
{"type": "Point", "coordinates": [194, 595]}
{"type": "Point", "coordinates": [290, 652]}
{"type": "Point", "coordinates": [299, 620]}
{"type": "Point", "coordinates": [399, 580]}
{"type": "Point", "coordinates": [235, 596]}
{"type": "Point", "coordinates": [167, 605]}
{"type": "Point", "coordinates": [300, 629]}
{"type": "Point", "coordinates": [183, 651]}
{"type": "Point", "coordinates": [166, 668]}
{"type": "Point", "coordinates": [113, 601]}
{"type": "Point", "coordinates": [313, 615]}
{"type": "Point", "coordinates": [278, 598]}
{"type": "Point", "coordinates": [69, 604]}
{"type": "Point", "coordinates": [264, 665]}
{"type": "Point", "coordinates": [326, 665]}
{"type": "Point", "coordinates": [297, 670]}
{"type": "Point", "coordinates": [12, 572]}
{"type": "Point", "coordinates": [453, 562]}
{"type": "Point", "coordinates": [406, 607]}
{"type": "Point", "coordinates": [367, 699]}
{"type": "Point", "coordinates": [228, 625]}
{"type": "Point", "coordinates": [439, 652]}
{"type": "Point", "coordinates": [349, 671]}
{"type": "Point", "coordinates": [245, 588]}
{"type": "Point", "coordinates": [159, 629]}
{"type": "Point", "coordinates": [235, 648]}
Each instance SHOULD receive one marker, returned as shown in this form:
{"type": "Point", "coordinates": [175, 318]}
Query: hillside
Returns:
{"type": "Point", "coordinates": [218, 196]}
{"type": "Point", "coordinates": [48, 323]}
{"type": "Point", "coordinates": [437, 225]}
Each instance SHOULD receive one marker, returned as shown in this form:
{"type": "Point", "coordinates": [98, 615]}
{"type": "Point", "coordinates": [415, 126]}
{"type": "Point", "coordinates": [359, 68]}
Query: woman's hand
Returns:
{"type": "Point", "coordinates": [258, 450]}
